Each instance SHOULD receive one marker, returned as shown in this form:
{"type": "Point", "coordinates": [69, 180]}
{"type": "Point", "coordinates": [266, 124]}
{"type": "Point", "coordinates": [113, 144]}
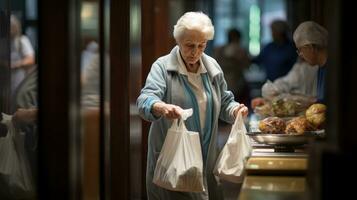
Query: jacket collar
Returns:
{"type": "Point", "coordinates": [183, 69]}
{"type": "Point", "coordinates": [173, 63]}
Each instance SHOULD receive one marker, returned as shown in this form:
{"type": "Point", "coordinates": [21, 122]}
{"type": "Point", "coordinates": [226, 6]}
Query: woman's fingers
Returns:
{"type": "Point", "coordinates": [241, 106]}
{"type": "Point", "coordinates": [172, 112]}
{"type": "Point", "coordinates": [243, 109]}
{"type": "Point", "coordinates": [169, 111]}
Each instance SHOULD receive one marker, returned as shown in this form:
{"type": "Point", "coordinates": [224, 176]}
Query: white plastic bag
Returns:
{"type": "Point", "coordinates": [230, 162]}
{"type": "Point", "coordinates": [180, 166]}
{"type": "Point", "coordinates": [270, 90]}
{"type": "Point", "coordinates": [15, 174]}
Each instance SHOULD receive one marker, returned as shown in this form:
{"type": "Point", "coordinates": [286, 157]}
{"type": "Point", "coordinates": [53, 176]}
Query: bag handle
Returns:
{"type": "Point", "coordinates": [180, 123]}
{"type": "Point", "coordinates": [186, 114]}
{"type": "Point", "coordinates": [238, 122]}
{"type": "Point", "coordinates": [7, 121]}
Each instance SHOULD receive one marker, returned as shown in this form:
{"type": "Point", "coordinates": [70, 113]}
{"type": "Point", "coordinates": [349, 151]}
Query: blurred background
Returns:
{"type": "Point", "coordinates": [70, 76]}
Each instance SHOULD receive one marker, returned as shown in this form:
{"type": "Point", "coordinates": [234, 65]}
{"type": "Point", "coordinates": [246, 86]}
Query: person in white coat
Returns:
{"type": "Point", "coordinates": [311, 40]}
{"type": "Point", "coordinates": [307, 75]}
{"type": "Point", "coordinates": [187, 78]}
{"type": "Point", "coordinates": [301, 79]}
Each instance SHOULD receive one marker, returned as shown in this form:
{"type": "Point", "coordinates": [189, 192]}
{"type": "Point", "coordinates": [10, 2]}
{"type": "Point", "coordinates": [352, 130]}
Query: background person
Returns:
{"type": "Point", "coordinates": [234, 59]}
{"type": "Point", "coordinates": [278, 56]}
{"type": "Point", "coordinates": [22, 53]}
{"type": "Point", "coordinates": [311, 40]}
{"type": "Point", "coordinates": [307, 75]}
{"type": "Point", "coordinates": [302, 79]}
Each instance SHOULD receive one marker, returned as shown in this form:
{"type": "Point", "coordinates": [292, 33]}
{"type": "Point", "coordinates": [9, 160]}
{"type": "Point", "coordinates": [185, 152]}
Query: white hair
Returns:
{"type": "Point", "coordinates": [194, 21]}
{"type": "Point", "coordinates": [310, 32]}
{"type": "Point", "coordinates": [16, 25]}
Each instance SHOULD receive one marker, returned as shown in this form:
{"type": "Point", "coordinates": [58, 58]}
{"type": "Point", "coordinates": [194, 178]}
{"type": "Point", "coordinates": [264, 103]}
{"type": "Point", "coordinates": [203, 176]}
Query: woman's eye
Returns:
{"type": "Point", "coordinates": [202, 45]}
{"type": "Point", "coordinates": [190, 45]}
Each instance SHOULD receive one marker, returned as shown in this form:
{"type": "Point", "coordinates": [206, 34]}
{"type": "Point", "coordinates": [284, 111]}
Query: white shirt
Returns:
{"type": "Point", "coordinates": [20, 48]}
{"type": "Point", "coordinates": [301, 79]}
{"type": "Point", "coordinates": [195, 81]}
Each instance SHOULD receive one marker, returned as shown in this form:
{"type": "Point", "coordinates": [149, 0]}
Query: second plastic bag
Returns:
{"type": "Point", "coordinates": [179, 166]}
{"type": "Point", "coordinates": [230, 162]}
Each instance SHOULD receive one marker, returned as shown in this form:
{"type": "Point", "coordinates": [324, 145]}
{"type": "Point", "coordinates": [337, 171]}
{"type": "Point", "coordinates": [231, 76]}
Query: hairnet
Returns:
{"type": "Point", "coordinates": [310, 32]}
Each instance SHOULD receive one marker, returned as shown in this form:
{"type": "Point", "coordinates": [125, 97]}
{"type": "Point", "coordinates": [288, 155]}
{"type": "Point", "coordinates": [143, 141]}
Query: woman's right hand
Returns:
{"type": "Point", "coordinates": [168, 111]}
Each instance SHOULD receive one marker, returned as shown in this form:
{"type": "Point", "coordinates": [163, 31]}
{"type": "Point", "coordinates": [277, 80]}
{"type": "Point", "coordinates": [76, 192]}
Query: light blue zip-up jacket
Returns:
{"type": "Point", "coordinates": [165, 83]}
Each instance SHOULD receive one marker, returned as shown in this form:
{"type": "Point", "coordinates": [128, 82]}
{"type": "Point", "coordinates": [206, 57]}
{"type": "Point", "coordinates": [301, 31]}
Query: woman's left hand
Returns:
{"type": "Point", "coordinates": [25, 116]}
{"type": "Point", "coordinates": [241, 108]}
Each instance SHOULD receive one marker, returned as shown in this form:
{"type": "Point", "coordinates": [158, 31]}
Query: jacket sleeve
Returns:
{"type": "Point", "coordinates": [153, 91]}
{"type": "Point", "coordinates": [227, 101]}
{"type": "Point", "coordinates": [285, 84]}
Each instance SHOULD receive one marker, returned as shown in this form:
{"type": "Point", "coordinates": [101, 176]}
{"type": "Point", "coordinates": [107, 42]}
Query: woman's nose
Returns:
{"type": "Point", "coordinates": [194, 50]}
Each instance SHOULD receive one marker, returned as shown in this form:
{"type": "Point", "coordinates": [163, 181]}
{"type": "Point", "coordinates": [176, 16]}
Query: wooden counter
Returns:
{"type": "Point", "coordinates": [273, 188]}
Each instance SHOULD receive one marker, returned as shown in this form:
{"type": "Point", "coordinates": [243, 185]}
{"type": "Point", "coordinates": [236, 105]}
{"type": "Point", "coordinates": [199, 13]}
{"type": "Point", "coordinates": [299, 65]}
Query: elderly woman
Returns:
{"type": "Point", "coordinates": [187, 78]}
{"type": "Point", "coordinates": [311, 41]}
{"type": "Point", "coordinates": [22, 53]}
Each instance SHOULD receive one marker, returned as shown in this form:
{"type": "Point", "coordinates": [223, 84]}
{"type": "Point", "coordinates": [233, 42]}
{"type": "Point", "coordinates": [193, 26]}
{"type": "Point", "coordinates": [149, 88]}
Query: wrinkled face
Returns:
{"type": "Point", "coordinates": [192, 44]}
{"type": "Point", "coordinates": [309, 54]}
